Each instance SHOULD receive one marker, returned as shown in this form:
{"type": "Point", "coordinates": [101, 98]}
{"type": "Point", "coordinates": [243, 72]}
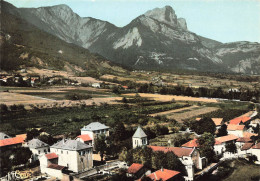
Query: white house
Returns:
{"type": "Point", "coordinates": [256, 151]}
{"type": "Point", "coordinates": [254, 122]}
{"type": "Point", "coordinates": [243, 145]}
{"type": "Point", "coordinates": [220, 143]}
{"type": "Point", "coordinates": [190, 157]}
{"type": "Point", "coordinates": [236, 129]}
{"type": "Point", "coordinates": [49, 165]}
{"type": "Point", "coordinates": [96, 85]}
{"type": "Point", "coordinates": [93, 129]}
{"type": "Point", "coordinates": [73, 154]}
{"type": "Point", "coordinates": [38, 148]}
{"type": "Point", "coordinates": [139, 138]}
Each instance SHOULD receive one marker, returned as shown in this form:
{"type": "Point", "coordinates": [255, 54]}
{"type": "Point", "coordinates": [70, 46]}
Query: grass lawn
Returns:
{"type": "Point", "coordinates": [243, 171]}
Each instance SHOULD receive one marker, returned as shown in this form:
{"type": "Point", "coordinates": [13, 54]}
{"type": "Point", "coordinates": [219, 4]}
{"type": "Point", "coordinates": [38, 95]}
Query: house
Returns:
{"type": "Point", "coordinates": [248, 135]}
{"type": "Point", "coordinates": [236, 129]}
{"type": "Point", "coordinates": [240, 120]}
{"type": "Point", "coordinates": [139, 138]}
{"type": "Point", "coordinates": [190, 157]}
{"type": "Point", "coordinates": [73, 154]}
{"type": "Point", "coordinates": [165, 175]}
{"type": "Point", "coordinates": [49, 165]}
{"type": "Point", "coordinates": [256, 151]}
{"type": "Point", "coordinates": [96, 85]}
{"type": "Point", "coordinates": [136, 170]}
{"type": "Point", "coordinates": [11, 143]}
{"type": "Point", "coordinates": [38, 148]}
{"type": "Point", "coordinates": [254, 122]}
{"type": "Point", "coordinates": [191, 144]}
{"type": "Point", "coordinates": [85, 138]}
{"type": "Point", "coordinates": [220, 143]}
{"type": "Point", "coordinates": [125, 87]}
{"type": "Point", "coordinates": [243, 145]}
{"type": "Point", "coordinates": [95, 128]}
{"type": "Point", "coordinates": [23, 136]}
{"type": "Point", "coordinates": [218, 122]}
{"type": "Point", "coordinates": [3, 136]}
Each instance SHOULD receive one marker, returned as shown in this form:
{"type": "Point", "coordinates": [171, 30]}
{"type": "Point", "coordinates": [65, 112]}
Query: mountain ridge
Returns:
{"type": "Point", "coordinates": [156, 39]}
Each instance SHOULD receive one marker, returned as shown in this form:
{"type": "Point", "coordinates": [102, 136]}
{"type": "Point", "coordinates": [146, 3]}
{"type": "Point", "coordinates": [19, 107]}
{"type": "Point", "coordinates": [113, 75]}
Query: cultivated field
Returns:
{"type": "Point", "coordinates": [186, 113]}
{"type": "Point", "coordinates": [165, 98]}
{"type": "Point", "coordinates": [10, 98]}
{"type": "Point", "coordinates": [181, 116]}
{"type": "Point", "coordinates": [166, 113]}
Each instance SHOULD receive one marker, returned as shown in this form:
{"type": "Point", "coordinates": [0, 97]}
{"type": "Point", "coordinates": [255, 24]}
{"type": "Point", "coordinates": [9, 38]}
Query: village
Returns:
{"type": "Point", "coordinates": [76, 159]}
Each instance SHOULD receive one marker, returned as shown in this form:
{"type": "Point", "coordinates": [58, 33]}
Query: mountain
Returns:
{"type": "Point", "coordinates": [240, 57]}
{"type": "Point", "coordinates": [157, 39]}
{"type": "Point", "coordinates": [25, 45]}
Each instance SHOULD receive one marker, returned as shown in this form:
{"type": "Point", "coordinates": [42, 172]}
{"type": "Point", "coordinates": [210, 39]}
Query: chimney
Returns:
{"type": "Point", "coordinates": [162, 169]}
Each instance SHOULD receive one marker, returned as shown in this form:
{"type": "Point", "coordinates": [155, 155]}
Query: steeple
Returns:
{"type": "Point", "coordinates": [139, 138]}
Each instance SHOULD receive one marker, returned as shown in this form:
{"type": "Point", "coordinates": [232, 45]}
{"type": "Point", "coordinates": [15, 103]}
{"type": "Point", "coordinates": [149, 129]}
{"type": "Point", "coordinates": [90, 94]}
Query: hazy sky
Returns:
{"type": "Point", "coordinates": [222, 20]}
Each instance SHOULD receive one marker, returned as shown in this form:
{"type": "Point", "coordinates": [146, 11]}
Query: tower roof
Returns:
{"type": "Point", "coordinates": [36, 143]}
{"type": "Point", "coordinates": [139, 133]}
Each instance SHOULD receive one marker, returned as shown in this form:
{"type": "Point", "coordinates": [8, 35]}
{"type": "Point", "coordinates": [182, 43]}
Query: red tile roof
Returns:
{"type": "Point", "coordinates": [55, 166]}
{"type": "Point", "coordinates": [22, 136]}
{"type": "Point", "coordinates": [178, 151]}
{"type": "Point", "coordinates": [191, 144]}
{"type": "Point", "coordinates": [217, 121]}
{"type": "Point", "coordinates": [244, 139]}
{"type": "Point", "coordinates": [194, 143]}
{"type": "Point", "coordinates": [50, 156]}
{"type": "Point", "coordinates": [134, 168]}
{"type": "Point", "coordinates": [226, 138]}
{"type": "Point", "coordinates": [85, 137]}
{"type": "Point", "coordinates": [234, 127]}
{"type": "Point", "coordinates": [11, 141]}
{"type": "Point", "coordinates": [163, 174]}
{"type": "Point", "coordinates": [247, 146]}
{"type": "Point", "coordinates": [248, 135]}
{"type": "Point", "coordinates": [256, 146]}
{"type": "Point", "coordinates": [238, 120]}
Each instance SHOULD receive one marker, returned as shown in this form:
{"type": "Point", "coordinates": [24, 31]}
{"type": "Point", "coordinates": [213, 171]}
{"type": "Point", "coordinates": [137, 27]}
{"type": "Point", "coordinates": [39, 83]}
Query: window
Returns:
{"type": "Point", "coordinates": [39, 151]}
{"type": "Point", "coordinates": [61, 152]}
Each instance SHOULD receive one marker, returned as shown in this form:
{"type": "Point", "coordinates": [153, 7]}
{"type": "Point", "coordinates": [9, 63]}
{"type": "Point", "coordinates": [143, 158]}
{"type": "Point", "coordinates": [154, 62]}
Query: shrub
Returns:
{"type": "Point", "coordinates": [77, 96]}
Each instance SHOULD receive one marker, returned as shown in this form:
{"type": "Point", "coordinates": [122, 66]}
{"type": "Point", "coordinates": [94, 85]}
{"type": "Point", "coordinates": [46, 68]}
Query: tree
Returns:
{"type": "Point", "coordinates": [124, 100]}
{"type": "Point", "coordinates": [231, 147]}
{"type": "Point", "coordinates": [47, 139]}
{"type": "Point", "coordinates": [206, 142]}
{"type": "Point", "coordinates": [188, 92]}
{"type": "Point", "coordinates": [20, 155]}
{"type": "Point", "coordinates": [3, 109]}
{"type": "Point", "coordinates": [32, 133]}
{"type": "Point", "coordinates": [222, 131]}
{"type": "Point", "coordinates": [115, 90]}
{"type": "Point", "coordinates": [173, 163]}
{"type": "Point", "coordinates": [119, 132]}
{"type": "Point", "coordinates": [100, 145]}
{"type": "Point", "coordinates": [158, 160]}
{"type": "Point", "coordinates": [204, 125]}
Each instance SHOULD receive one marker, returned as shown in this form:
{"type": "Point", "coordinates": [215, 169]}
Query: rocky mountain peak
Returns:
{"type": "Point", "coordinates": [61, 7]}
{"type": "Point", "coordinates": [166, 15]}
{"type": "Point", "coordinates": [182, 23]}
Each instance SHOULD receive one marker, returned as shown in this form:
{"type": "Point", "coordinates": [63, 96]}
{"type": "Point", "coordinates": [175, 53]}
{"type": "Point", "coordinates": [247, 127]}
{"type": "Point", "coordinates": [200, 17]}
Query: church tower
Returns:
{"type": "Point", "coordinates": [139, 138]}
